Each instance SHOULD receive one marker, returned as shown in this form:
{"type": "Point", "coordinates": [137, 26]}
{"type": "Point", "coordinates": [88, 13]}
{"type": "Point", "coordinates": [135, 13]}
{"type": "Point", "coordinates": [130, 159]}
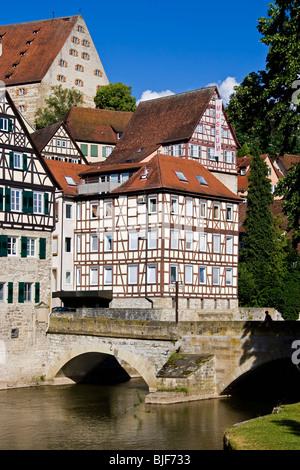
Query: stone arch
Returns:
{"type": "Point", "coordinates": [144, 368]}
{"type": "Point", "coordinates": [249, 365]}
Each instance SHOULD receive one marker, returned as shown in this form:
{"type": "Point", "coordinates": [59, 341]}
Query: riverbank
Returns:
{"type": "Point", "coordinates": [277, 431]}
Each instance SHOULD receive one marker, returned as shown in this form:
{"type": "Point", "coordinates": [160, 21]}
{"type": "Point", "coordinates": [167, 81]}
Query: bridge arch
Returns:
{"type": "Point", "coordinates": [137, 362]}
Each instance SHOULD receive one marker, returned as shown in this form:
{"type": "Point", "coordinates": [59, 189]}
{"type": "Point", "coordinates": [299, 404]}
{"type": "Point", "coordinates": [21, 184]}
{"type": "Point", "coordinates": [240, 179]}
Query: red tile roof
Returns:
{"type": "Point", "coordinates": [161, 121]}
{"type": "Point", "coordinates": [61, 170]}
{"type": "Point", "coordinates": [162, 175]}
{"type": "Point", "coordinates": [29, 49]}
{"type": "Point", "coordinates": [288, 161]}
{"type": "Point", "coordinates": [96, 125]}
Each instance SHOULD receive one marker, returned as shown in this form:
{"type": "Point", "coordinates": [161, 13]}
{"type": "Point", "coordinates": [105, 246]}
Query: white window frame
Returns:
{"type": "Point", "coordinates": [133, 241]}
{"type": "Point", "coordinates": [133, 274]}
{"type": "Point", "coordinates": [78, 276]}
{"type": "Point", "coordinates": [216, 243]}
{"type": "Point", "coordinates": [12, 246]}
{"type": "Point", "coordinates": [92, 210]}
{"type": "Point", "coordinates": [38, 203]}
{"type": "Point", "coordinates": [94, 275]}
{"type": "Point", "coordinates": [68, 278]}
{"type": "Point", "coordinates": [28, 292]}
{"type": "Point", "coordinates": [174, 241]}
{"type": "Point", "coordinates": [31, 247]}
{"type": "Point", "coordinates": [69, 211]}
{"type": "Point", "coordinates": [151, 274]}
{"type": "Point", "coordinates": [203, 209]}
{"type": "Point", "coordinates": [15, 200]}
{"type": "Point", "coordinates": [188, 274]}
{"type": "Point", "coordinates": [228, 276]}
{"type": "Point", "coordinates": [94, 243]}
{"type": "Point", "coordinates": [2, 292]}
{"type": "Point", "coordinates": [174, 205]}
{"type": "Point", "coordinates": [152, 239]}
{"type": "Point", "coordinates": [17, 160]}
{"type": "Point", "coordinates": [216, 215]}
{"type": "Point", "coordinates": [189, 207]}
{"type": "Point", "coordinates": [107, 209]}
{"type": "Point", "coordinates": [189, 240]}
{"type": "Point", "coordinates": [173, 270]}
{"type": "Point", "coordinates": [203, 270]}
{"type": "Point", "coordinates": [107, 275]}
{"type": "Point", "coordinates": [108, 242]}
{"type": "Point", "coordinates": [229, 212]}
{"type": "Point", "coordinates": [152, 208]}
{"type": "Point", "coordinates": [203, 242]}
{"type": "Point", "coordinates": [216, 276]}
{"type": "Point", "coordinates": [229, 244]}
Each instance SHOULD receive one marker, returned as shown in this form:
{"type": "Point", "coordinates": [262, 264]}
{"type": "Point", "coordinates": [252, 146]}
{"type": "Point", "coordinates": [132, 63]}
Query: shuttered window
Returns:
{"type": "Point", "coordinates": [42, 252]}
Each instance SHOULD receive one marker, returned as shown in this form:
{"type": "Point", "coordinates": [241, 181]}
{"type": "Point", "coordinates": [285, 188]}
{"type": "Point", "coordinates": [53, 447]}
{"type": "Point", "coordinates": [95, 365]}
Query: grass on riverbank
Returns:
{"type": "Point", "coordinates": [278, 431]}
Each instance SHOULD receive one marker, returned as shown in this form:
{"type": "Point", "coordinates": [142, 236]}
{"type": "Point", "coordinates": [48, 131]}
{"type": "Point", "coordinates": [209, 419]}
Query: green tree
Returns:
{"type": "Point", "coordinates": [115, 96]}
{"type": "Point", "coordinates": [60, 101]}
{"type": "Point", "coordinates": [289, 188]}
{"type": "Point", "coordinates": [263, 108]}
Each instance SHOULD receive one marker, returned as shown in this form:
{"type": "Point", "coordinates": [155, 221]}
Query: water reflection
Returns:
{"type": "Point", "coordinates": [86, 417]}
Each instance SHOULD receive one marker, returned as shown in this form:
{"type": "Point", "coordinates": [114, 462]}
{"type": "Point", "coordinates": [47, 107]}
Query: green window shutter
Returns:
{"type": "Point", "coordinates": [23, 247]}
{"type": "Point", "coordinates": [104, 152]}
{"type": "Point", "coordinates": [3, 246]}
{"type": "Point", "coordinates": [27, 197]}
{"type": "Point", "coordinates": [11, 159]}
{"type": "Point", "coordinates": [24, 161]}
{"type": "Point", "coordinates": [46, 203]}
{"type": "Point", "coordinates": [10, 292]}
{"type": "Point", "coordinates": [10, 125]}
{"type": "Point", "coordinates": [42, 252]}
{"type": "Point", "coordinates": [37, 292]}
{"type": "Point", "coordinates": [21, 293]}
{"type": "Point", "coordinates": [1, 199]}
{"type": "Point", "coordinates": [7, 199]}
{"type": "Point", "coordinates": [84, 149]}
{"type": "Point", "coordinates": [94, 151]}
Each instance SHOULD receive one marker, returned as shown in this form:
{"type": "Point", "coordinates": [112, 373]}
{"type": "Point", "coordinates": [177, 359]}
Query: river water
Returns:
{"type": "Point", "coordinates": [98, 417]}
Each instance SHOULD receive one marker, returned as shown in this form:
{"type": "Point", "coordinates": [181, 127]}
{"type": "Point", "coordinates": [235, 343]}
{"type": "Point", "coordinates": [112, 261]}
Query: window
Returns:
{"type": "Point", "coordinates": [152, 205]}
{"type": "Point", "coordinates": [62, 63]}
{"type": "Point", "coordinates": [151, 274]}
{"type": "Point", "coordinates": [180, 176]}
{"type": "Point", "coordinates": [107, 242]}
{"type": "Point", "coordinates": [195, 151]}
{"type": "Point", "coordinates": [229, 244]}
{"type": "Point", "coordinates": [78, 211]}
{"type": "Point", "coordinates": [174, 205]}
{"type": "Point", "coordinates": [203, 242]}
{"type": "Point", "coordinates": [189, 239]}
{"type": "Point", "coordinates": [68, 244]}
{"type": "Point", "coordinates": [216, 276]}
{"type": "Point", "coordinates": [78, 243]}
{"type": "Point", "coordinates": [68, 211]}
{"type": "Point", "coordinates": [6, 124]}
{"type": "Point", "coordinates": [94, 150]}
{"type": "Point", "coordinates": [202, 274]}
{"type": "Point", "coordinates": [79, 68]}
{"type": "Point", "coordinates": [228, 276]}
{"type": "Point", "coordinates": [132, 274]}
{"type": "Point", "coordinates": [38, 203]}
{"type": "Point", "coordinates": [216, 211]}
{"type": "Point", "coordinates": [229, 156]}
{"type": "Point", "coordinates": [174, 239]}
{"type": "Point", "coordinates": [152, 239]}
{"type": "Point", "coordinates": [78, 82]}
{"type": "Point", "coordinates": [55, 246]}
{"type": "Point", "coordinates": [203, 207]}
{"type": "Point", "coordinates": [133, 241]}
{"type": "Point", "coordinates": [212, 131]}
{"type": "Point", "coordinates": [211, 153]}
{"type": "Point", "coordinates": [15, 201]}
{"type": "Point", "coordinates": [176, 150]}
{"type": "Point", "coordinates": [124, 177]}
{"type": "Point", "coordinates": [27, 292]}
{"type": "Point", "coordinates": [12, 246]}
{"type": "Point", "coordinates": [189, 208]}
{"type": "Point", "coordinates": [31, 247]}
{"type": "Point", "coordinates": [224, 133]}
{"type": "Point", "coordinates": [94, 243]}
{"type": "Point", "coordinates": [201, 180]}
{"type": "Point", "coordinates": [17, 160]}
{"type": "Point", "coordinates": [229, 212]}
{"type": "Point", "coordinates": [93, 276]}
{"type": "Point", "coordinates": [173, 273]}
{"type": "Point", "coordinates": [94, 210]}
{"type": "Point", "coordinates": [108, 209]}
{"type": "Point", "coordinates": [188, 274]}
{"type": "Point", "coordinates": [85, 56]}
{"type": "Point", "coordinates": [217, 243]}
{"type": "Point", "coordinates": [78, 276]}
{"type": "Point", "coordinates": [68, 278]}
{"type": "Point", "coordinates": [2, 292]}
{"type": "Point", "coordinates": [199, 128]}
{"type": "Point", "coordinates": [108, 275]}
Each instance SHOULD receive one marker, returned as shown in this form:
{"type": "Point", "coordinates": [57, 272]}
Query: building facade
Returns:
{"type": "Point", "coordinates": [38, 55]}
{"type": "Point", "coordinates": [27, 219]}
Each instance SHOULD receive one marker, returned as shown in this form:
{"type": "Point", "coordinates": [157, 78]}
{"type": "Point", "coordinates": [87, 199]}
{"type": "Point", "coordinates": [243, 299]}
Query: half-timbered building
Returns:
{"type": "Point", "coordinates": [146, 229]}
{"type": "Point", "coordinates": [27, 219]}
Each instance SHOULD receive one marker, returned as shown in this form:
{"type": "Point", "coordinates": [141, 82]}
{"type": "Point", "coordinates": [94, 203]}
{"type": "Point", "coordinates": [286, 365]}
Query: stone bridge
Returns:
{"type": "Point", "coordinates": [177, 360]}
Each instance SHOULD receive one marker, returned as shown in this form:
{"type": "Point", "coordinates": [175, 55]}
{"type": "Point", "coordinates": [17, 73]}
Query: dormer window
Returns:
{"type": "Point", "coordinates": [201, 180]}
{"type": "Point", "coordinates": [145, 174]}
{"type": "Point", "coordinates": [70, 181]}
{"type": "Point", "coordinates": [181, 176]}
{"type": "Point", "coordinates": [243, 171]}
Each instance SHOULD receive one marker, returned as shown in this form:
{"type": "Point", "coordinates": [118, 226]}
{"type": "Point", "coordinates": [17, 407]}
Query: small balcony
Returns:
{"type": "Point", "coordinates": [98, 187]}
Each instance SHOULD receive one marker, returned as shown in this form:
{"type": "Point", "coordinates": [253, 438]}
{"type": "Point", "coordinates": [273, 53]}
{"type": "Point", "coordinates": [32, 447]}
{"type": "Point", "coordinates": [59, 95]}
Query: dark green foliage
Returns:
{"type": "Point", "coordinates": [115, 96]}
{"type": "Point", "coordinates": [58, 104]}
{"type": "Point", "coordinates": [263, 108]}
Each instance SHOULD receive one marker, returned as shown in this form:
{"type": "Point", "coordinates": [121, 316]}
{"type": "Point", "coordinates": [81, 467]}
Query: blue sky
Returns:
{"type": "Point", "coordinates": [164, 46]}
